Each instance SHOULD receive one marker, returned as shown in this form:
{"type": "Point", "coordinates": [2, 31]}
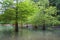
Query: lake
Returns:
{"type": "Point", "coordinates": [25, 34]}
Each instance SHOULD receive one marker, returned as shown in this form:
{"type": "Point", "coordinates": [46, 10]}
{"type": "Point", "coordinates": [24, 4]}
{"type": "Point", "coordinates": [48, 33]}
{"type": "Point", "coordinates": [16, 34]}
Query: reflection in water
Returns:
{"type": "Point", "coordinates": [30, 35]}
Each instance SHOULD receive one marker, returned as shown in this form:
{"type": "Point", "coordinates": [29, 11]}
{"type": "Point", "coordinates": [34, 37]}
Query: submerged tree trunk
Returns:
{"type": "Point", "coordinates": [35, 27]}
{"type": "Point", "coordinates": [16, 27]}
{"type": "Point", "coordinates": [27, 25]}
{"type": "Point", "coordinates": [44, 28]}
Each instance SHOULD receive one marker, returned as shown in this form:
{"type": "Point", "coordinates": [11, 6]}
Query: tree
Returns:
{"type": "Point", "coordinates": [46, 16]}
{"type": "Point", "coordinates": [25, 9]}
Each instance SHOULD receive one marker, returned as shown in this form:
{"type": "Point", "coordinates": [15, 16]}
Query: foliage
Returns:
{"type": "Point", "coordinates": [45, 15]}
{"type": "Point", "coordinates": [25, 9]}
{"type": "Point", "coordinates": [30, 11]}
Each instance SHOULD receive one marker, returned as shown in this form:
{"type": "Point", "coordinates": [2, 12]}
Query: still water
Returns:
{"type": "Point", "coordinates": [25, 34]}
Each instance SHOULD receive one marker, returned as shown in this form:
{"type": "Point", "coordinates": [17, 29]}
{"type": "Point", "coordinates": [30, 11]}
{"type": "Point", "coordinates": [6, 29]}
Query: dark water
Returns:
{"type": "Point", "coordinates": [30, 35]}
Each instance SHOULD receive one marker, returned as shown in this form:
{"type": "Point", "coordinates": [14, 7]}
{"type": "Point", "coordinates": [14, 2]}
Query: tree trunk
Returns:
{"type": "Point", "coordinates": [44, 28]}
{"type": "Point", "coordinates": [16, 27]}
{"type": "Point", "coordinates": [16, 24]}
{"type": "Point", "coordinates": [26, 25]}
{"type": "Point", "coordinates": [35, 27]}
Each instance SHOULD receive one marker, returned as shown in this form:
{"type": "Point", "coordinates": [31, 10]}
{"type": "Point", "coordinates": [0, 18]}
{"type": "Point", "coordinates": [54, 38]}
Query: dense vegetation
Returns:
{"type": "Point", "coordinates": [35, 12]}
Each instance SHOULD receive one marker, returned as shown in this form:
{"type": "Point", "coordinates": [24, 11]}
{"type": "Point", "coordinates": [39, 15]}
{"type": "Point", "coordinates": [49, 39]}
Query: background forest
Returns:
{"type": "Point", "coordinates": [36, 12]}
